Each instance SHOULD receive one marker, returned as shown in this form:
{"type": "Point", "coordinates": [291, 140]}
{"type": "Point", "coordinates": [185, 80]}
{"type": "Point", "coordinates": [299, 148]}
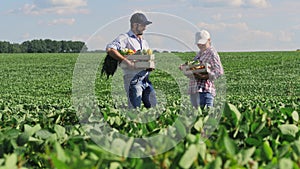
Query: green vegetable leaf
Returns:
{"type": "Point", "coordinates": [180, 128]}
{"type": "Point", "coordinates": [11, 162]}
{"type": "Point", "coordinates": [22, 139]}
{"type": "Point", "coordinates": [267, 151]}
{"type": "Point", "coordinates": [289, 129]}
{"type": "Point", "coordinates": [60, 152]}
{"type": "Point", "coordinates": [31, 130]}
{"type": "Point", "coordinates": [253, 141]}
{"type": "Point", "coordinates": [189, 157]}
{"type": "Point", "coordinates": [44, 134]}
{"type": "Point", "coordinates": [296, 147]}
{"type": "Point", "coordinates": [216, 164]}
{"type": "Point", "coordinates": [245, 155]}
{"type": "Point", "coordinates": [233, 112]}
{"type": "Point", "coordinates": [285, 163]}
{"type": "Point", "coordinates": [295, 116]}
{"type": "Point", "coordinates": [60, 131]}
{"type": "Point", "coordinates": [198, 125]}
{"type": "Point", "coordinates": [230, 146]}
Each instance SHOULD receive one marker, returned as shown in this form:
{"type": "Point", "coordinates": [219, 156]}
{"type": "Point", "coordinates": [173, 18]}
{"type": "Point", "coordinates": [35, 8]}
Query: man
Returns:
{"type": "Point", "coordinates": [136, 81]}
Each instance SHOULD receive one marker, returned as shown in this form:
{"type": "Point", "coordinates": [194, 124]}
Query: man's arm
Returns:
{"type": "Point", "coordinates": [116, 55]}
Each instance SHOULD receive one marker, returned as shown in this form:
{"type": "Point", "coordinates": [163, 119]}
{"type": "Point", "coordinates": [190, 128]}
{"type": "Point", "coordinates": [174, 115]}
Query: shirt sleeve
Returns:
{"type": "Point", "coordinates": [216, 66]}
{"type": "Point", "coordinates": [145, 45]}
{"type": "Point", "coordinates": [196, 58]}
{"type": "Point", "coordinates": [118, 43]}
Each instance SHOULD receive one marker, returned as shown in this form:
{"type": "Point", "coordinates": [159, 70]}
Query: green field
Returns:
{"type": "Point", "coordinates": [259, 126]}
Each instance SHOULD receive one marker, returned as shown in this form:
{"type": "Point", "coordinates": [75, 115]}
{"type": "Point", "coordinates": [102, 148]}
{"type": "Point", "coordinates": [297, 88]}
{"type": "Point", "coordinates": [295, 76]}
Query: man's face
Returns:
{"type": "Point", "coordinates": [138, 29]}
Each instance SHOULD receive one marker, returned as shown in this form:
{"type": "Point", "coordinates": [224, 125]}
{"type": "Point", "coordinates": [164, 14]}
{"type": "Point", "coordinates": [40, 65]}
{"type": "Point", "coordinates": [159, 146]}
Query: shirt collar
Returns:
{"type": "Point", "coordinates": [207, 49]}
{"type": "Point", "coordinates": [131, 34]}
{"type": "Point", "coordinates": [199, 55]}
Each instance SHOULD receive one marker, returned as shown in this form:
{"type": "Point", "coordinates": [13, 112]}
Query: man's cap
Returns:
{"type": "Point", "coordinates": [139, 18]}
{"type": "Point", "coordinates": [202, 37]}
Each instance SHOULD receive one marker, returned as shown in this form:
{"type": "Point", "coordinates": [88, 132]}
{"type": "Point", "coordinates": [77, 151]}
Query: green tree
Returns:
{"type": "Point", "coordinates": [53, 46]}
{"type": "Point", "coordinates": [15, 48]}
{"type": "Point", "coordinates": [43, 46]}
{"type": "Point", "coordinates": [4, 47]}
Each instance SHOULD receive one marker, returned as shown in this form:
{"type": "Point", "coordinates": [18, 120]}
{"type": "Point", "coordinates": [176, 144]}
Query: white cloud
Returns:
{"type": "Point", "coordinates": [239, 35]}
{"type": "Point", "coordinates": [231, 3]}
{"type": "Point", "coordinates": [66, 21]}
{"type": "Point", "coordinates": [261, 34]}
{"type": "Point", "coordinates": [238, 16]}
{"type": "Point", "coordinates": [223, 16]}
{"type": "Point", "coordinates": [223, 26]}
{"type": "Point", "coordinates": [213, 3]}
{"type": "Point", "coordinates": [60, 7]}
{"type": "Point", "coordinates": [250, 40]}
{"type": "Point", "coordinates": [296, 27]}
{"type": "Point", "coordinates": [236, 2]}
{"type": "Point", "coordinates": [29, 9]}
{"type": "Point", "coordinates": [217, 16]}
{"type": "Point", "coordinates": [26, 35]}
{"type": "Point", "coordinates": [64, 10]}
{"type": "Point", "coordinates": [96, 42]}
{"type": "Point", "coordinates": [253, 35]}
{"type": "Point", "coordinates": [259, 3]}
{"type": "Point", "coordinates": [82, 38]}
{"type": "Point", "coordinates": [285, 36]}
{"type": "Point", "coordinates": [60, 3]}
{"type": "Point", "coordinates": [69, 3]}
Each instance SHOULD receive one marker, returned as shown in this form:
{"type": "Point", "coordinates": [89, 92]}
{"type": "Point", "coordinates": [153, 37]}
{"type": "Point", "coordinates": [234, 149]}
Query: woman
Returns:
{"type": "Point", "coordinates": [201, 87]}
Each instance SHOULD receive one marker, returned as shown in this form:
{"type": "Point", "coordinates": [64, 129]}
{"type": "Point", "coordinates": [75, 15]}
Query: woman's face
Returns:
{"type": "Point", "coordinates": [203, 47]}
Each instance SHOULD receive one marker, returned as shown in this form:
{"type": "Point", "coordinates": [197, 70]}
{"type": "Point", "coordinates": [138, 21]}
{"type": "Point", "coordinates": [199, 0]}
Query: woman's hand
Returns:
{"type": "Point", "coordinates": [201, 76]}
{"type": "Point", "coordinates": [182, 66]}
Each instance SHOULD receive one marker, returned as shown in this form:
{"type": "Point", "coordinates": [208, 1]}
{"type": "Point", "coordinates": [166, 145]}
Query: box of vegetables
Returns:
{"type": "Point", "coordinates": [195, 67]}
{"type": "Point", "coordinates": [141, 59]}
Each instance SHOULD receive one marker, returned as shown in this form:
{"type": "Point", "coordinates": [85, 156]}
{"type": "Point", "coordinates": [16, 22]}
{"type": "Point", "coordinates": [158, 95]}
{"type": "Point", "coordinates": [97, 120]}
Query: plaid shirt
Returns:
{"type": "Point", "coordinates": [211, 56]}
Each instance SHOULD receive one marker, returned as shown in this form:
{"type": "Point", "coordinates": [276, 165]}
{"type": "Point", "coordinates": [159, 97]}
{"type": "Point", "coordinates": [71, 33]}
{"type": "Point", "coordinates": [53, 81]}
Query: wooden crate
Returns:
{"type": "Point", "coordinates": [140, 57]}
{"type": "Point", "coordinates": [141, 61]}
{"type": "Point", "coordinates": [187, 69]}
{"type": "Point", "coordinates": [146, 64]}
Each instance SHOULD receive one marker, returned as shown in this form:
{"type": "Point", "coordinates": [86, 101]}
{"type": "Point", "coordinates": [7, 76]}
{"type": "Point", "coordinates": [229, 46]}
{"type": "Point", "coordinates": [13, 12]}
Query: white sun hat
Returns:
{"type": "Point", "coordinates": [202, 37]}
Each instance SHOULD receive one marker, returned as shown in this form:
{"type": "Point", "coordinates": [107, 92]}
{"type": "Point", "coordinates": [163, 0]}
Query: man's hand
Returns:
{"type": "Point", "coordinates": [129, 63]}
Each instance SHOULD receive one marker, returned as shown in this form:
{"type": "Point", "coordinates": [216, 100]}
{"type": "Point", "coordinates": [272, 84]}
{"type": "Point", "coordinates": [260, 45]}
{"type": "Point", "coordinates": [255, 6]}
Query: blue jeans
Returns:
{"type": "Point", "coordinates": [141, 90]}
{"type": "Point", "coordinates": [206, 99]}
{"type": "Point", "coordinates": [202, 99]}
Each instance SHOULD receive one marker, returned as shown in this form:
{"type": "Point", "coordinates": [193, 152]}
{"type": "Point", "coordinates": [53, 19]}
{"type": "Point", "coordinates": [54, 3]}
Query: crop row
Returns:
{"type": "Point", "coordinates": [40, 128]}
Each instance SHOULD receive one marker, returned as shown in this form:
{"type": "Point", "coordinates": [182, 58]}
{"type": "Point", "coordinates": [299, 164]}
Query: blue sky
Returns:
{"type": "Point", "coordinates": [235, 25]}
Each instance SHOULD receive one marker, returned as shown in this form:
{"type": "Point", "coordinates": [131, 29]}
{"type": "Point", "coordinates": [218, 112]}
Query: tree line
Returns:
{"type": "Point", "coordinates": [43, 46]}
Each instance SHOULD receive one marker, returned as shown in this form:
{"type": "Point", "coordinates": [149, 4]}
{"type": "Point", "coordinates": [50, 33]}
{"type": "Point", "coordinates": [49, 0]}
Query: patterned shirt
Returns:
{"type": "Point", "coordinates": [211, 56]}
{"type": "Point", "coordinates": [128, 40]}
